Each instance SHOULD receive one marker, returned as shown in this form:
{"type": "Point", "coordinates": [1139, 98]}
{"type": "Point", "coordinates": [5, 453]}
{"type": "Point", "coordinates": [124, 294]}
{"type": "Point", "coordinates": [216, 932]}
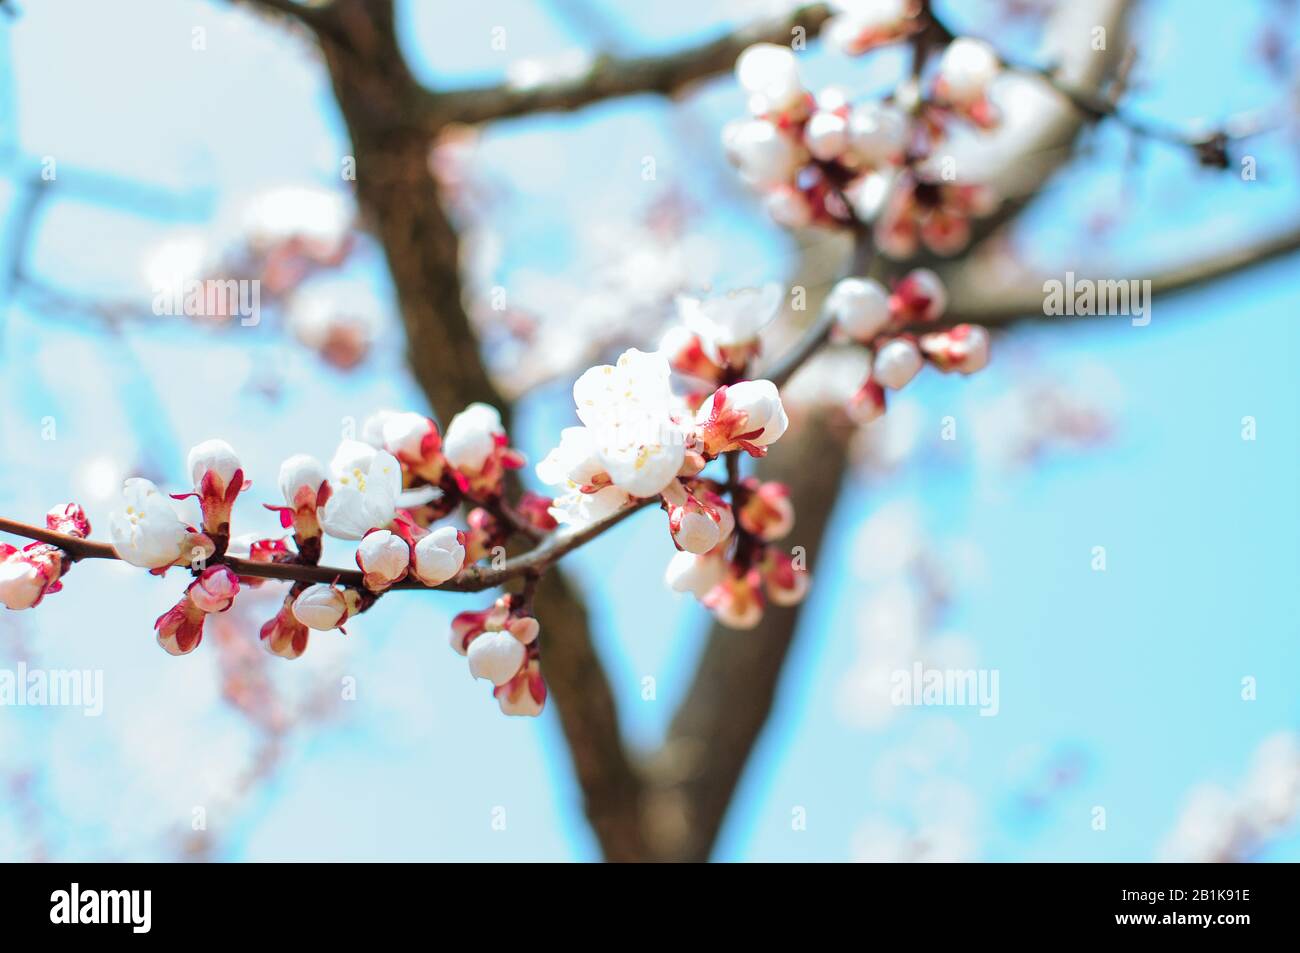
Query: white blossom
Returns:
{"type": "Point", "coordinates": [147, 532]}
{"type": "Point", "coordinates": [575, 462]}
{"type": "Point", "coordinates": [730, 320]}
{"type": "Point", "coordinates": [630, 411]}
{"type": "Point", "coordinates": [363, 492]}
{"type": "Point", "coordinates": [578, 509]}
{"type": "Point", "coordinates": [372, 429]}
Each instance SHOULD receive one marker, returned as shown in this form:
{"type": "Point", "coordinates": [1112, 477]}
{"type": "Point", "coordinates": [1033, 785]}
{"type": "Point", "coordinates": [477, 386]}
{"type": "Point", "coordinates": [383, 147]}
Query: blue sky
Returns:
{"type": "Point", "coordinates": [1131, 675]}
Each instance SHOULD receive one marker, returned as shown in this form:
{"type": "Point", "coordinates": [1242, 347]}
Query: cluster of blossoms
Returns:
{"type": "Point", "coordinates": [865, 312]}
{"type": "Point", "coordinates": [822, 159]}
{"type": "Point", "coordinates": [641, 440]}
{"type": "Point", "coordinates": [27, 574]}
{"type": "Point", "coordinates": [384, 491]}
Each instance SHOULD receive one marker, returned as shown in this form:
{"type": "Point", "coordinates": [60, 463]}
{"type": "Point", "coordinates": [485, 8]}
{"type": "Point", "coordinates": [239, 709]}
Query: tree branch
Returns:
{"type": "Point", "coordinates": [611, 77]}
{"type": "Point", "coordinates": [978, 301]}
{"type": "Point", "coordinates": [472, 579]}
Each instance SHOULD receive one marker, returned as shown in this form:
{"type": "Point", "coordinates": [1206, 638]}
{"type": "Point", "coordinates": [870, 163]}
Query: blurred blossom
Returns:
{"type": "Point", "coordinates": [337, 319]}
{"type": "Point", "coordinates": [172, 264]}
{"type": "Point", "coordinates": [621, 290]}
{"type": "Point", "coordinates": [1220, 826]}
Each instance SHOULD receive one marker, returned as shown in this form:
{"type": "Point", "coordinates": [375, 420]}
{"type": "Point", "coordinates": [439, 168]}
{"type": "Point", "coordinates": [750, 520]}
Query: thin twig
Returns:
{"type": "Point", "coordinates": [612, 76]}
{"type": "Point", "coordinates": [472, 579]}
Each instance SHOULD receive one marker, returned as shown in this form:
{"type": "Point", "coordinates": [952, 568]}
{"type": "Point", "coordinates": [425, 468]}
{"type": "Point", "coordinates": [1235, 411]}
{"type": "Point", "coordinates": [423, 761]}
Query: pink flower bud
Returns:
{"type": "Point", "coordinates": [685, 352]}
{"type": "Point", "coordinates": [301, 479]}
{"type": "Point", "coordinates": [414, 440]}
{"type": "Point", "coordinates": [468, 625]}
{"type": "Point", "coordinates": [536, 510]}
{"type": "Point", "coordinates": [737, 601]}
{"type": "Point", "coordinates": [868, 403]}
{"type": "Point", "coordinates": [218, 479]}
{"type": "Point", "coordinates": [946, 232]}
{"type": "Point", "coordinates": [284, 635]}
{"type": "Point", "coordinates": [693, 530]}
{"type": "Point", "coordinates": [747, 416]}
{"type": "Point", "coordinates": [766, 511]}
{"type": "Point", "coordinates": [919, 297]}
{"type": "Point", "coordinates": [324, 607]}
{"type": "Point", "coordinates": [215, 589]}
{"type": "Point", "coordinates": [485, 532]}
{"type": "Point", "coordinates": [524, 628]}
{"type": "Point", "coordinates": [439, 556]}
{"type": "Point", "coordinates": [26, 575]}
{"type": "Point", "coordinates": [789, 207]}
{"type": "Point", "coordinates": [786, 585]}
{"type": "Point", "coordinates": [68, 518]}
{"type": "Point", "coordinates": [496, 656]}
{"type": "Point", "coordinates": [525, 694]}
{"type": "Point", "coordinates": [963, 348]}
{"type": "Point", "coordinates": [383, 558]}
{"type": "Point", "coordinates": [764, 156]}
{"type": "Point", "coordinates": [476, 445]}
{"type": "Point", "coordinates": [180, 628]}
